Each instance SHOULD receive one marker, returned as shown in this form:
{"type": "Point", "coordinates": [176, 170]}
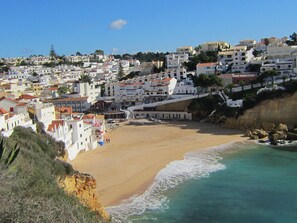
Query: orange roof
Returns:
{"type": "Point", "coordinates": [64, 109]}
{"type": "Point", "coordinates": [55, 124]}
{"type": "Point", "coordinates": [52, 88]}
{"type": "Point", "coordinates": [27, 96]}
{"type": "Point", "coordinates": [89, 116]}
{"type": "Point", "coordinates": [3, 111]}
{"type": "Point", "coordinates": [206, 64]}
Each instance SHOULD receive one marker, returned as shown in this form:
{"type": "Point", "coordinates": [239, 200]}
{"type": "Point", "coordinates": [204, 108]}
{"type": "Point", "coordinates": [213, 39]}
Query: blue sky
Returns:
{"type": "Point", "coordinates": [31, 26]}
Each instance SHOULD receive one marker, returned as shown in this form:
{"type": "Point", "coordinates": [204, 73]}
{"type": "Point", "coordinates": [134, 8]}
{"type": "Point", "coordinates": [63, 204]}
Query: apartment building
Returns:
{"type": "Point", "coordinates": [185, 50]}
{"type": "Point", "coordinates": [176, 60]}
{"type": "Point", "coordinates": [214, 46]}
{"type": "Point", "coordinates": [78, 104]}
{"type": "Point", "coordinates": [178, 74]}
{"type": "Point", "coordinates": [238, 57]}
{"type": "Point", "coordinates": [92, 91]}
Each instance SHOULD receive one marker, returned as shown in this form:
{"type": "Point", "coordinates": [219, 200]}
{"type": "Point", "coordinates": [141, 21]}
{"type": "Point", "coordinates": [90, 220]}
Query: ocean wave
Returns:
{"type": "Point", "coordinates": [195, 165]}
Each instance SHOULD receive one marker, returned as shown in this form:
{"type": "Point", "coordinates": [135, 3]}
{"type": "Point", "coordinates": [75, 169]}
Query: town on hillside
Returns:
{"type": "Point", "coordinates": [75, 98]}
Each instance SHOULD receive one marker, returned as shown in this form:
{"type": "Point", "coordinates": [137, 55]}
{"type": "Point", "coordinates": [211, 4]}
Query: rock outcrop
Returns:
{"type": "Point", "coordinates": [83, 187]}
{"type": "Point", "coordinates": [267, 113]}
{"type": "Point", "coordinates": [257, 134]}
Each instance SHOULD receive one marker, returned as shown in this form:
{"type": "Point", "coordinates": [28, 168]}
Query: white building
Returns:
{"type": "Point", "coordinates": [175, 61]}
{"type": "Point", "coordinates": [44, 112]}
{"type": "Point", "coordinates": [185, 49]}
{"type": "Point", "coordinates": [247, 42]}
{"type": "Point", "coordinates": [178, 74]}
{"type": "Point", "coordinates": [76, 135]}
{"type": "Point", "coordinates": [208, 68]}
{"type": "Point", "coordinates": [283, 67]}
{"type": "Point", "coordinates": [8, 121]}
{"type": "Point", "coordinates": [214, 46]}
{"type": "Point", "coordinates": [185, 87]}
{"type": "Point", "coordinates": [92, 91]}
{"type": "Point", "coordinates": [237, 56]}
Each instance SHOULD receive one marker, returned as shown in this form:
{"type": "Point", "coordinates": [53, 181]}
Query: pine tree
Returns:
{"type": "Point", "coordinates": [52, 52]}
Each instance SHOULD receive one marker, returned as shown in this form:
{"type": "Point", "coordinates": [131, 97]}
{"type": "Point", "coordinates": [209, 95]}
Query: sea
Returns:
{"type": "Point", "coordinates": [238, 182]}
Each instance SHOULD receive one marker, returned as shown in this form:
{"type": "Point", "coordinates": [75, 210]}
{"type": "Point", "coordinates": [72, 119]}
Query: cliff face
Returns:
{"type": "Point", "coordinates": [83, 187]}
{"type": "Point", "coordinates": [268, 113]}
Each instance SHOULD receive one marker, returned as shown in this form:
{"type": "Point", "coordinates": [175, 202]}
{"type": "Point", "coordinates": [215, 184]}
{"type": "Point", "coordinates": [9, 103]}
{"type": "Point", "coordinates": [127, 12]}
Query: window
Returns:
{"type": "Point", "coordinates": [80, 135]}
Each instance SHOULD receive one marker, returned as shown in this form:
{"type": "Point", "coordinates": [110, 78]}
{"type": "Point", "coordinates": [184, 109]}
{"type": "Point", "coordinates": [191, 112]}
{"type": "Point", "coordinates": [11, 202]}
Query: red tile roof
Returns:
{"type": "Point", "coordinates": [206, 64]}
{"type": "Point", "coordinates": [3, 111]}
{"type": "Point", "coordinates": [55, 124]}
{"type": "Point", "coordinates": [27, 96]}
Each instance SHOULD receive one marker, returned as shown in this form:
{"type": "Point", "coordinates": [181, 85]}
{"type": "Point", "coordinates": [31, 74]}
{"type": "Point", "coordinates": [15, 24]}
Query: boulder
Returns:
{"type": "Point", "coordinates": [282, 127]}
{"type": "Point", "coordinates": [295, 130]}
{"type": "Point", "coordinates": [291, 136]}
{"type": "Point", "coordinates": [258, 134]}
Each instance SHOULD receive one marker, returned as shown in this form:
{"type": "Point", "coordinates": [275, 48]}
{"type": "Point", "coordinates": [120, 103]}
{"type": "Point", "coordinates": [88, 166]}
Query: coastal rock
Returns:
{"type": "Point", "coordinates": [271, 111]}
{"type": "Point", "coordinates": [291, 136]}
{"type": "Point", "coordinates": [282, 127]}
{"type": "Point", "coordinates": [258, 134]}
{"type": "Point", "coordinates": [83, 187]}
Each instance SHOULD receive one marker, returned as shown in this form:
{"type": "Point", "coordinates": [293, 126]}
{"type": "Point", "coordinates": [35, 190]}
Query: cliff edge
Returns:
{"type": "Point", "coordinates": [83, 187]}
{"type": "Point", "coordinates": [267, 113]}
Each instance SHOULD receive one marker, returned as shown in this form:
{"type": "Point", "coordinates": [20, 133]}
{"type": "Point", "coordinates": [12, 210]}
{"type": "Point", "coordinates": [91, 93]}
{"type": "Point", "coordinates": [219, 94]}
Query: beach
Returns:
{"type": "Point", "coordinates": [128, 164]}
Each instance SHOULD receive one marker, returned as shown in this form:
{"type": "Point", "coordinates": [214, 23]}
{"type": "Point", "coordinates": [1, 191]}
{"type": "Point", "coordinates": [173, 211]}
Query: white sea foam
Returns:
{"type": "Point", "coordinates": [195, 165]}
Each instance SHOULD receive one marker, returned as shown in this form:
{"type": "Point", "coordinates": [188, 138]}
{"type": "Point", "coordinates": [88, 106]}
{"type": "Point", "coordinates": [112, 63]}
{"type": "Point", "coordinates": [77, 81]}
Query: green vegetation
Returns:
{"type": "Point", "coordinates": [293, 40]}
{"type": "Point", "coordinates": [85, 78]}
{"type": "Point", "coordinates": [142, 57]}
{"type": "Point", "coordinates": [28, 187]}
{"type": "Point", "coordinates": [203, 57]}
{"type": "Point", "coordinates": [206, 81]}
{"type": "Point", "coordinates": [121, 73]}
{"type": "Point", "coordinates": [130, 75]}
{"type": "Point", "coordinates": [7, 155]}
{"type": "Point", "coordinates": [63, 90]}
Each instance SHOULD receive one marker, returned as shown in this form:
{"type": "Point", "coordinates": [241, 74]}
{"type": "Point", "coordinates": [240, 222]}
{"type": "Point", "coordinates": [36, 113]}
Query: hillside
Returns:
{"type": "Point", "coordinates": [29, 188]}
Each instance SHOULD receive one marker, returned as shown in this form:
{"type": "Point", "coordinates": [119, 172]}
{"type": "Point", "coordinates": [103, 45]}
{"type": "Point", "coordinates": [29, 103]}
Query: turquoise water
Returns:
{"type": "Point", "coordinates": [242, 182]}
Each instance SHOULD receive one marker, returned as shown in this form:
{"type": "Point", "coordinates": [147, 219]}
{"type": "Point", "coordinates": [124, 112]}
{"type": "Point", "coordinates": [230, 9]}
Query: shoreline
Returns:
{"type": "Point", "coordinates": [128, 165]}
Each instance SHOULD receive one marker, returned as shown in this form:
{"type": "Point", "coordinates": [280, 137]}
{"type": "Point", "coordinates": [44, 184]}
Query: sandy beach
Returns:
{"type": "Point", "coordinates": [128, 165]}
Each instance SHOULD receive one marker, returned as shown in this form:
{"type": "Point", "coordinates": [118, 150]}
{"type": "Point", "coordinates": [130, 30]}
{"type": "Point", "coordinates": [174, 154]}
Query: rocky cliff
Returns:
{"type": "Point", "coordinates": [83, 187]}
{"type": "Point", "coordinates": [267, 113]}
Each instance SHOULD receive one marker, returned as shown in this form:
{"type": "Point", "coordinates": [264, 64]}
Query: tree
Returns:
{"type": "Point", "coordinates": [78, 54]}
{"type": "Point", "coordinates": [63, 90]}
{"type": "Point", "coordinates": [52, 53]}
{"type": "Point", "coordinates": [266, 42]}
{"type": "Point", "coordinates": [85, 78]}
{"type": "Point", "coordinates": [121, 73]}
{"type": "Point", "coordinates": [293, 39]}
{"type": "Point", "coordinates": [99, 52]}
{"type": "Point", "coordinates": [203, 57]}
{"type": "Point", "coordinates": [269, 74]}
{"type": "Point", "coordinates": [206, 81]}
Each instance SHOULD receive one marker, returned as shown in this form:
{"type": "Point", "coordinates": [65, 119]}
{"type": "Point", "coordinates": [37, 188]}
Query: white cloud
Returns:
{"type": "Point", "coordinates": [118, 24]}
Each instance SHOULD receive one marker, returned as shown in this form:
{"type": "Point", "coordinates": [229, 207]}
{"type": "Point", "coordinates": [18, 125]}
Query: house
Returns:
{"type": "Point", "coordinates": [185, 49]}
{"type": "Point", "coordinates": [10, 120]}
{"type": "Point", "coordinates": [76, 134]}
{"type": "Point", "coordinates": [208, 68]}
{"type": "Point", "coordinates": [176, 60]}
{"type": "Point", "coordinates": [78, 104]}
{"type": "Point", "coordinates": [214, 46]}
